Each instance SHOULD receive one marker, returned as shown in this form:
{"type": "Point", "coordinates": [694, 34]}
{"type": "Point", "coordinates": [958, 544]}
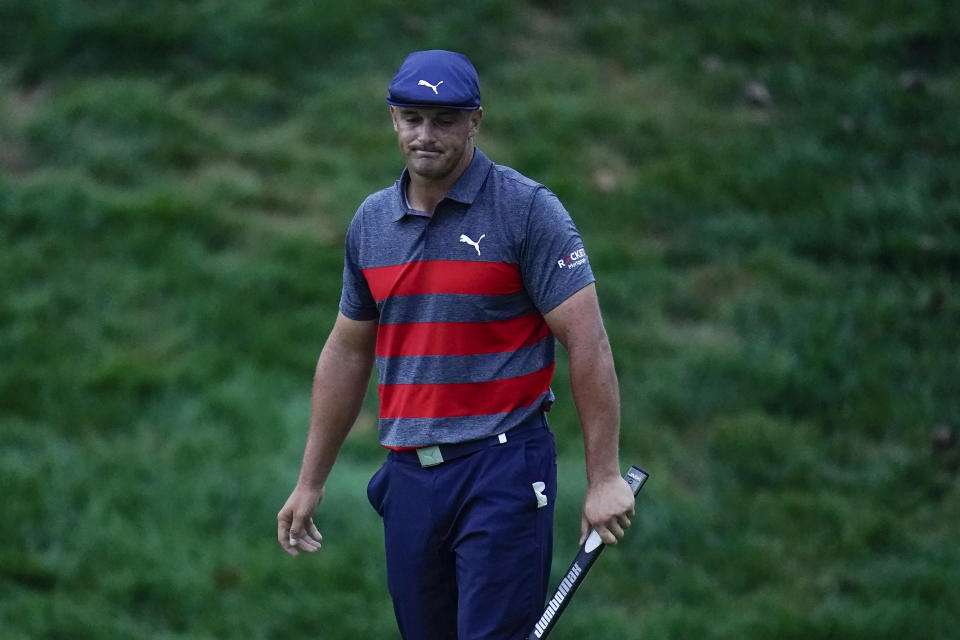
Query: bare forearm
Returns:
{"type": "Point", "coordinates": [597, 397]}
{"type": "Point", "coordinates": [577, 324]}
{"type": "Point", "coordinates": [339, 386]}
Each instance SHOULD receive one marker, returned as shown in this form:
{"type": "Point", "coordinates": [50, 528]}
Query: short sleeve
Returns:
{"type": "Point", "coordinates": [553, 258]}
{"type": "Point", "coordinates": [356, 301]}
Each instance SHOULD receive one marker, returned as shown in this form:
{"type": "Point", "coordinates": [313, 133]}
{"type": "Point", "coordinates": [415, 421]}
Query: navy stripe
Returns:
{"type": "Point", "coordinates": [453, 307]}
{"type": "Point", "coordinates": [430, 431]}
{"type": "Point", "coordinates": [459, 369]}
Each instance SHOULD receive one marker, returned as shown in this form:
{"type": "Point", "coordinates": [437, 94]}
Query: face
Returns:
{"type": "Point", "coordinates": [436, 143]}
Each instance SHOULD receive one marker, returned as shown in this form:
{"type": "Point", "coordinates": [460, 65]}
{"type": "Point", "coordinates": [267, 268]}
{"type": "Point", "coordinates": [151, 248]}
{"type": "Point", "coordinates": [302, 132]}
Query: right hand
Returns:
{"type": "Point", "coordinates": [295, 528]}
{"type": "Point", "coordinates": [607, 509]}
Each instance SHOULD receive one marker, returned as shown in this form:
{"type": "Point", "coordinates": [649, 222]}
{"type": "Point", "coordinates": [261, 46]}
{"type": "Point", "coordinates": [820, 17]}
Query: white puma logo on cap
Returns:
{"type": "Point", "coordinates": [424, 83]}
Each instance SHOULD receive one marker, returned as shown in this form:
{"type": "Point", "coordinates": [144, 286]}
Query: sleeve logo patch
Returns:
{"type": "Point", "coordinates": [573, 259]}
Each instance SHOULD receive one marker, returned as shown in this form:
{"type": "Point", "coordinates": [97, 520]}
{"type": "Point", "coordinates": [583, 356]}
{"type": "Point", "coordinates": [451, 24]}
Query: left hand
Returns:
{"type": "Point", "coordinates": [295, 528]}
{"type": "Point", "coordinates": [607, 507]}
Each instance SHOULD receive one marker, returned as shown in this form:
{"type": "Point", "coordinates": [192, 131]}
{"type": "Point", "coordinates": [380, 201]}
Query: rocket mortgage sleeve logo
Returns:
{"type": "Point", "coordinates": [574, 259]}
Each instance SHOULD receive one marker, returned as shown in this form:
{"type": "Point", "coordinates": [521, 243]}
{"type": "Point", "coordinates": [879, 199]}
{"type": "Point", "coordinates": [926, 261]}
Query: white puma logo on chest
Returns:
{"type": "Point", "coordinates": [476, 245]}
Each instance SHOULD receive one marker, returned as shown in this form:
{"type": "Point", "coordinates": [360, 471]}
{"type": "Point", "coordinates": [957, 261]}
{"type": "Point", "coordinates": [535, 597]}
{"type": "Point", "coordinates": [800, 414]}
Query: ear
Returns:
{"type": "Point", "coordinates": [393, 117]}
{"type": "Point", "coordinates": [476, 116]}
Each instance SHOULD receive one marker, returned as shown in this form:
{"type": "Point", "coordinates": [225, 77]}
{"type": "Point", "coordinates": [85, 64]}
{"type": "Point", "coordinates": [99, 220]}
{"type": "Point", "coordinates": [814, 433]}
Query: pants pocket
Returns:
{"type": "Point", "coordinates": [540, 457]}
{"type": "Point", "coordinates": [377, 489]}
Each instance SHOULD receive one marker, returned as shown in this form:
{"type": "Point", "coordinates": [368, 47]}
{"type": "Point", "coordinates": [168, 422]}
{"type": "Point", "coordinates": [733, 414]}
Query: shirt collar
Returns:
{"type": "Point", "coordinates": [464, 190]}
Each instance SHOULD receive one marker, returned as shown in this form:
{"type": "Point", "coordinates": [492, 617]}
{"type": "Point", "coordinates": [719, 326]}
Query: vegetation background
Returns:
{"type": "Point", "coordinates": [769, 196]}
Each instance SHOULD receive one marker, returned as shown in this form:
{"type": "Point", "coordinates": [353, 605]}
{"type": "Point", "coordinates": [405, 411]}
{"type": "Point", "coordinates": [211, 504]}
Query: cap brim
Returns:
{"type": "Point", "coordinates": [432, 105]}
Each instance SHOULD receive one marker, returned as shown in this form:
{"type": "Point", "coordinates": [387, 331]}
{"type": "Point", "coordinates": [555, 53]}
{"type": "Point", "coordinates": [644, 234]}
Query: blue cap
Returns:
{"type": "Point", "coordinates": [435, 78]}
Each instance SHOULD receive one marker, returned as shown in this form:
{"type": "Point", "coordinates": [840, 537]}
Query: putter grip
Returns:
{"type": "Point", "coordinates": [587, 555]}
{"type": "Point", "coordinates": [593, 545]}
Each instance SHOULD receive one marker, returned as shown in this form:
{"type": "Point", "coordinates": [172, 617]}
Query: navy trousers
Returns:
{"type": "Point", "coordinates": [469, 541]}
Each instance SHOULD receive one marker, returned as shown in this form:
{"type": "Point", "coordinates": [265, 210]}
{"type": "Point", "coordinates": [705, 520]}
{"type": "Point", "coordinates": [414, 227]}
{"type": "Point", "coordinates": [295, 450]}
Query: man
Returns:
{"type": "Point", "coordinates": [457, 280]}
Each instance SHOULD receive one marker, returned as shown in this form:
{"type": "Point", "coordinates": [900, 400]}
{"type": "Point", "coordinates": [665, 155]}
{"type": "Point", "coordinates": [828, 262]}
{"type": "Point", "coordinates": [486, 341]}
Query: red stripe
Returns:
{"type": "Point", "coordinates": [463, 399]}
{"type": "Point", "coordinates": [459, 338]}
{"type": "Point", "coordinates": [443, 276]}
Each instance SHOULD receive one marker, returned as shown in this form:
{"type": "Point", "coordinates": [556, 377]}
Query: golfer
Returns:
{"type": "Point", "coordinates": [458, 280]}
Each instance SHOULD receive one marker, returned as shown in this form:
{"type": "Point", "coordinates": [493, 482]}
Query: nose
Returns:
{"type": "Point", "coordinates": [426, 132]}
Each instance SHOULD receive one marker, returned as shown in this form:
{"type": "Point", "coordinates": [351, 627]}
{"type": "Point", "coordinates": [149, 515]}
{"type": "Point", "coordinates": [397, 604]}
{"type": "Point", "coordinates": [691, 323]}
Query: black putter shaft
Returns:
{"type": "Point", "coordinates": [588, 554]}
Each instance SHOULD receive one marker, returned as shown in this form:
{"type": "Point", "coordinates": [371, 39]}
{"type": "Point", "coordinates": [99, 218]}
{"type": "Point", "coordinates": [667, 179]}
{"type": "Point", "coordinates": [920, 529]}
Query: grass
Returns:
{"type": "Point", "coordinates": [778, 277]}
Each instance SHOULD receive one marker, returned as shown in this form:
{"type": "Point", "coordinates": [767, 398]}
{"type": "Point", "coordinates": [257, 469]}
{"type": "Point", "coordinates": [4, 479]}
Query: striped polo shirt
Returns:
{"type": "Point", "coordinates": [463, 351]}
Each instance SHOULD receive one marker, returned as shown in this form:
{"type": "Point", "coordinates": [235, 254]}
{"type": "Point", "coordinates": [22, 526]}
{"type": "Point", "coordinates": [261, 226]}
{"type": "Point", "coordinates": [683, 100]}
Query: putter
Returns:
{"type": "Point", "coordinates": [588, 554]}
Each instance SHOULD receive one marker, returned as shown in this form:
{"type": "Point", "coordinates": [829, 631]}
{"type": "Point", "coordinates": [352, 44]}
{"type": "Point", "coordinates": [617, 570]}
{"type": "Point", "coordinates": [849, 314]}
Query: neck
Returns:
{"type": "Point", "coordinates": [424, 193]}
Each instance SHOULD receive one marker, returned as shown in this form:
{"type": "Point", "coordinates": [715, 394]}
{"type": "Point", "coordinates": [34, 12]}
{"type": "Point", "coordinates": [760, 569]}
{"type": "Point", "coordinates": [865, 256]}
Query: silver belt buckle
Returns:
{"type": "Point", "coordinates": [430, 456]}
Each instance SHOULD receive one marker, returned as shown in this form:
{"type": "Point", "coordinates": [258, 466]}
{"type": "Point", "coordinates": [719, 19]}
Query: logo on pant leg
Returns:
{"type": "Point", "coordinates": [538, 488]}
